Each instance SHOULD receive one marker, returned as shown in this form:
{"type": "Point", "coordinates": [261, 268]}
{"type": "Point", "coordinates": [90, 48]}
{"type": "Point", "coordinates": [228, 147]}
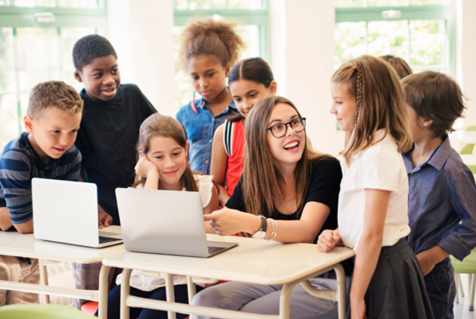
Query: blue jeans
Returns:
{"type": "Point", "coordinates": [441, 289]}
{"type": "Point", "coordinates": [114, 302]}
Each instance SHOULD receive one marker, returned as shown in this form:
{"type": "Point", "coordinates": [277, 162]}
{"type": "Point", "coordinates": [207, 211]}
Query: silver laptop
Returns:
{"type": "Point", "coordinates": [67, 212]}
{"type": "Point", "coordinates": [165, 222]}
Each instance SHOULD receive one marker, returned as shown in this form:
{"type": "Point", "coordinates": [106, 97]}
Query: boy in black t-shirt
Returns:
{"type": "Point", "coordinates": [109, 132]}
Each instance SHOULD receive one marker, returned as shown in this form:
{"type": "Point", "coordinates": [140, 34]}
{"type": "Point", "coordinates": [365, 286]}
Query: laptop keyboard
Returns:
{"type": "Point", "coordinates": [212, 250]}
{"type": "Point", "coordinates": [103, 240]}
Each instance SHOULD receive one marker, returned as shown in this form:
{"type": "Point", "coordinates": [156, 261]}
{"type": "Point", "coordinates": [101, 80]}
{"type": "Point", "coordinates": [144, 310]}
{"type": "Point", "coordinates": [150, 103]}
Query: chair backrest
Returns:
{"type": "Point", "coordinates": [41, 312]}
{"type": "Point", "coordinates": [471, 128]}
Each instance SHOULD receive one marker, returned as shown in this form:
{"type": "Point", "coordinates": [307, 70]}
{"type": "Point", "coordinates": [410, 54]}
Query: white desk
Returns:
{"type": "Point", "coordinates": [253, 261]}
{"type": "Point", "coordinates": [27, 246]}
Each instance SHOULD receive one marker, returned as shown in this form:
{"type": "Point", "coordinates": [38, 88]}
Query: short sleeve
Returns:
{"type": "Point", "coordinates": [381, 170]}
{"type": "Point", "coordinates": [324, 183]}
{"type": "Point", "coordinates": [237, 200]}
{"type": "Point", "coordinates": [15, 180]}
{"type": "Point", "coordinates": [205, 187]}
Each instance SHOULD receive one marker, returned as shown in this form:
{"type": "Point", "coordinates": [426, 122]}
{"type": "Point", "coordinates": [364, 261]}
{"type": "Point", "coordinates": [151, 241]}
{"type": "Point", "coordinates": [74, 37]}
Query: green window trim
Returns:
{"type": "Point", "coordinates": [22, 17]}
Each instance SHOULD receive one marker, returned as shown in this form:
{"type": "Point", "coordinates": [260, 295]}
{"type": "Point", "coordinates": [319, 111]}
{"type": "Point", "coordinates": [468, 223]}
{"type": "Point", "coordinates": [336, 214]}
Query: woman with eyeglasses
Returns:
{"type": "Point", "coordinates": [288, 193]}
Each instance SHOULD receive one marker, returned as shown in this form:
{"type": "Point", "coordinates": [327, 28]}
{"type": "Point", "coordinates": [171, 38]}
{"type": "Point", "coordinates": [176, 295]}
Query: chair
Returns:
{"type": "Point", "coordinates": [467, 266]}
{"type": "Point", "coordinates": [468, 149]}
{"type": "Point", "coordinates": [38, 311]}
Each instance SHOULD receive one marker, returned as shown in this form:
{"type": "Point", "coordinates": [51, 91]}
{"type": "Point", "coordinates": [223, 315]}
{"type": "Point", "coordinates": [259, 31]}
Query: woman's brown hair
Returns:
{"type": "Point", "coordinates": [164, 126]}
{"type": "Point", "coordinates": [217, 39]}
{"type": "Point", "coordinates": [379, 104]}
{"type": "Point", "coordinates": [261, 177]}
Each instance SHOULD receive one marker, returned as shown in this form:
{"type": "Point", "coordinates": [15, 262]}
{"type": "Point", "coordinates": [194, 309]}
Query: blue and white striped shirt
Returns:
{"type": "Point", "coordinates": [19, 163]}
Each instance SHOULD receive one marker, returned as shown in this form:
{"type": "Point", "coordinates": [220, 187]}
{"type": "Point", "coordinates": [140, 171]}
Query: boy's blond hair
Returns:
{"type": "Point", "coordinates": [53, 94]}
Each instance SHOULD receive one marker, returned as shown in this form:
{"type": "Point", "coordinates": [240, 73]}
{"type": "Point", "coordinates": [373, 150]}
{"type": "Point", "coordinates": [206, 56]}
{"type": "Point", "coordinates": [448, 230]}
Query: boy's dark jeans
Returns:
{"type": "Point", "coordinates": [440, 285]}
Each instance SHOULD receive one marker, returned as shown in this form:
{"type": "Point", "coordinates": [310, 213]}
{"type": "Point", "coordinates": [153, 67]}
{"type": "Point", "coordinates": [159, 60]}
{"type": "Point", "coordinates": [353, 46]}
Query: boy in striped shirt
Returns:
{"type": "Point", "coordinates": [46, 150]}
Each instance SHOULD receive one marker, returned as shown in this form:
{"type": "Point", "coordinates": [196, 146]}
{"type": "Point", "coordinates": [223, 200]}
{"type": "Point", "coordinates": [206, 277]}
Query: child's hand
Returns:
{"type": "Point", "coordinates": [144, 167]}
{"type": "Point", "coordinates": [328, 239]}
{"type": "Point", "coordinates": [104, 219]}
{"type": "Point", "coordinates": [358, 309]}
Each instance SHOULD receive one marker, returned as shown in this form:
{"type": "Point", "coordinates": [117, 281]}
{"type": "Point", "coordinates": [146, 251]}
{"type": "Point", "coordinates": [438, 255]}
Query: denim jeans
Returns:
{"type": "Point", "coordinates": [441, 289]}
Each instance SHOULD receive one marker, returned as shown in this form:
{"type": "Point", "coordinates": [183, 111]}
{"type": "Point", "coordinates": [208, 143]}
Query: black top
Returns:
{"type": "Point", "coordinates": [107, 139]}
{"type": "Point", "coordinates": [324, 187]}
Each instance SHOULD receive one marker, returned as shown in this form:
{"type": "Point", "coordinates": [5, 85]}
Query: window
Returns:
{"type": "Point", "coordinates": [252, 15]}
{"type": "Point", "coordinates": [33, 50]}
{"type": "Point", "coordinates": [420, 31]}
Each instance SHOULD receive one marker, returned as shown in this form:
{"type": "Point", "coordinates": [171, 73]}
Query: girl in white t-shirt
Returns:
{"type": "Point", "coordinates": [368, 102]}
{"type": "Point", "coordinates": [164, 165]}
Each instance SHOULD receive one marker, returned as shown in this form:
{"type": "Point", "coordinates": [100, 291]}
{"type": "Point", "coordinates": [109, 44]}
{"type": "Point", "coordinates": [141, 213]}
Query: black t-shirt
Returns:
{"type": "Point", "coordinates": [107, 140]}
{"type": "Point", "coordinates": [324, 187]}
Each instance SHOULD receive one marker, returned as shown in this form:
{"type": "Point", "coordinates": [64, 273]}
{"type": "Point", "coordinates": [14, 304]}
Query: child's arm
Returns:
{"type": "Point", "coordinates": [5, 219]}
{"type": "Point", "coordinates": [428, 259]}
{"type": "Point", "coordinates": [15, 180]}
{"type": "Point", "coordinates": [369, 247]}
{"type": "Point", "coordinates": [219, 164]}
{"type": "Point", "coordinates": [462, 238]}
{"type": "Point", "coordinates": [213, 205]}
{"type": "Point", "coordinates": [146, 169]}
{"type": "Point", "coordinates": [104, 219]}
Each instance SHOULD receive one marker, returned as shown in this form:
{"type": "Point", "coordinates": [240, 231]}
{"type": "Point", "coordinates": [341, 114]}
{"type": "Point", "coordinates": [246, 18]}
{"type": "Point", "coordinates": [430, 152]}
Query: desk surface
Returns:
{"type": "Point", "coordinates": [16, 244]}
{"type": "Point", "coordinates": [253, 260]}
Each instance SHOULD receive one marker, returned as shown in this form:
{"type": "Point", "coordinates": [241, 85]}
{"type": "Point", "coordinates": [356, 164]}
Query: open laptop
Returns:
{"type": "Point", "coordinates": [67, 212]}
{"type": "Point", "coordinates": [165, 222]}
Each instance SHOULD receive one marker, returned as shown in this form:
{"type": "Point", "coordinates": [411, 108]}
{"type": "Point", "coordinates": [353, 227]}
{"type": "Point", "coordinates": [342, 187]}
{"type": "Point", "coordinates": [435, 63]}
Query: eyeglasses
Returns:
{"type": "Point", "coordinates": [280, 129]}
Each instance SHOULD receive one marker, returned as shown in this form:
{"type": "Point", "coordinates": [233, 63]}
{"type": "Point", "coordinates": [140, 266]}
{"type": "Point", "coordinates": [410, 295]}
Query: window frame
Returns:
{"type": "Point", "coordinates": [446, 12]}
{"type": "Point", "coordinates": [15, 17]}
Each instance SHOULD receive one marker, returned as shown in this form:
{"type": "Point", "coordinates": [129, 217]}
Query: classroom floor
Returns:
{"type": "Point", "coordinates": [60, 276]}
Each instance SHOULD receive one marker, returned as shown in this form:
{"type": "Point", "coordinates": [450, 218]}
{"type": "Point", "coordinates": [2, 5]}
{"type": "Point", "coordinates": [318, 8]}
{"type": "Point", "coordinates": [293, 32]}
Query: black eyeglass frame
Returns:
{"type": "Point", "coordinates": [301, 119]}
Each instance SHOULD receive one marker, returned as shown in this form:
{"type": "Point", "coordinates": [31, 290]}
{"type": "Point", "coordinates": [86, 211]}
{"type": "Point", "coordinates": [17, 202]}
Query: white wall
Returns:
{"type": "Point", "coordinates": [141, 33]}
{"type": "Point", "coordinates": [302, 53]}
{"type": "Point", "coordinates": [302, 58]}
{"type": "Point", "coordinates": [466, 55]}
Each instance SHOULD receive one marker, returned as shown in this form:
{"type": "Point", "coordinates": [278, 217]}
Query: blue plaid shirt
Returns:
{"type": "Point", "coordinates": [441, 203]}
{"type": "Point", "coordinates": [200, 129]}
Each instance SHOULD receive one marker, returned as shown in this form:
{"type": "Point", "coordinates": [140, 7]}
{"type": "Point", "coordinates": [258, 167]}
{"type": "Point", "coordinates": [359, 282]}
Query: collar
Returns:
{"type": "Point", "coordinates": [437, 159]}
{"type": "Point", "coordinates": [201, 103]}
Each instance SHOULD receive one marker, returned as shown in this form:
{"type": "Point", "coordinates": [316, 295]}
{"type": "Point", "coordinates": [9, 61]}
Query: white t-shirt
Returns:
{"type": "Point", "coordinates": [148, 280]}
{"type": "Point", "coordinates": [378, 167]}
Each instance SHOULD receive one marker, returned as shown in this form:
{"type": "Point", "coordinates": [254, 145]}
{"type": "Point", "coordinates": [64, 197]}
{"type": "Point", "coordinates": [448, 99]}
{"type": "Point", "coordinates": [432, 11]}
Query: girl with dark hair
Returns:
{"type": "Point", "coordinates": [208, 49]}
{"type": "Point", "coordinates": [250, 81]}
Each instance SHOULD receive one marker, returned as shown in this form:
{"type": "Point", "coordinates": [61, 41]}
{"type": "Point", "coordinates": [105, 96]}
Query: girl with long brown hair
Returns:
{"type": "Point", "coordinates": [288, 193]}
{"type": "Point", "coordinates": [373, 219]}
{"type": "Point", "coordinates": [164, 165]}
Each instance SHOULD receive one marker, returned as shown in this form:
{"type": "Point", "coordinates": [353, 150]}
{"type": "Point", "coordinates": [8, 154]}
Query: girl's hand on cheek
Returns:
{"type": "Point", "coordinates": [230, 221]}
{"type": "Point", "coordinates": [144, 167]}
